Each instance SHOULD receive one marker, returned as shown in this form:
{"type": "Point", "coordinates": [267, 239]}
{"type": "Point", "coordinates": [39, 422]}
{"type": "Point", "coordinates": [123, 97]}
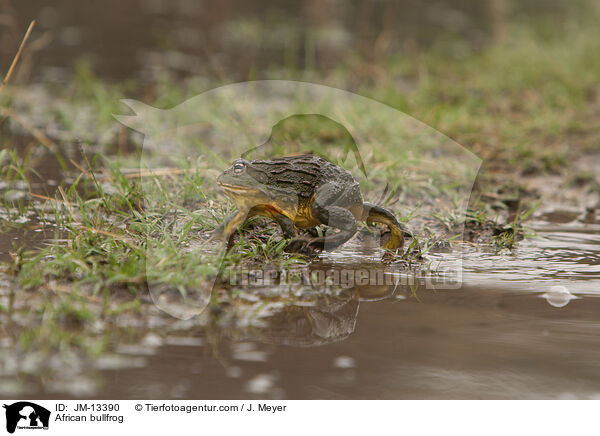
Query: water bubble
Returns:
{"type": "Point", "coordinates": [558, 296]}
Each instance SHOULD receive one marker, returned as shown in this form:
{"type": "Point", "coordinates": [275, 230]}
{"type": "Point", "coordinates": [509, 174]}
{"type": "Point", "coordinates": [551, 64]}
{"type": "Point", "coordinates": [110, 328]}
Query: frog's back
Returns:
{"type": "Point", "coordinates": [303, 174]}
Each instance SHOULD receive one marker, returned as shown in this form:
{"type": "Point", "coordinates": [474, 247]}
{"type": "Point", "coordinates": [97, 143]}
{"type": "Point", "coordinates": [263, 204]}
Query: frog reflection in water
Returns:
{"type": "Point", "coordinates": [318, 318]}
{"type": "Point", "coordinates": [302, 192]}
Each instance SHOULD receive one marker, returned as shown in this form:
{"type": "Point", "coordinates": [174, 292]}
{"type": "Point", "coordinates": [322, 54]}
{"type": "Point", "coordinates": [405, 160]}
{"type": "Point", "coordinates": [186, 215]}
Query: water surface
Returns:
{"type": "Point", "coordinates": [525, 324]}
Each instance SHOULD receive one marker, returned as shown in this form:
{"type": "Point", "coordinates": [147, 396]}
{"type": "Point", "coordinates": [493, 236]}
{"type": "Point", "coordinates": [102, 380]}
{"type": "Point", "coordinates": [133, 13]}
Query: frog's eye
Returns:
{"type": "Point", "coordinates": [238, 168]}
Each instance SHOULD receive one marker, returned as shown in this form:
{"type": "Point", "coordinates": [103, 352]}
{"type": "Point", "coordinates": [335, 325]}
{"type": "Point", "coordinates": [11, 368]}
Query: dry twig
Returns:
{"type": "Point", "coordinates": [157, 172]}
{"type": "Point", "coordinates": [17, 56]}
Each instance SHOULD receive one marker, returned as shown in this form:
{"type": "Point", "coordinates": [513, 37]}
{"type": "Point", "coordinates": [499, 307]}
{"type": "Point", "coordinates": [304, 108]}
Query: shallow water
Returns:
{"type": "Point", "coordinates": [524, 324]}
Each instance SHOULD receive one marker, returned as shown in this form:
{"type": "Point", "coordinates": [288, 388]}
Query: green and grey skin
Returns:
{"type": "Point", "coordinates": [302, 192]}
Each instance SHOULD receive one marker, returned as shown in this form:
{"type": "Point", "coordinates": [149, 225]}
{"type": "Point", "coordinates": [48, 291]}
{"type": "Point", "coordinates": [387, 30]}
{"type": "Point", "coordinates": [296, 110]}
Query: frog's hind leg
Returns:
{"type": "Point", "coordinates": [333, 216]}
{"type": "Point", "coordinates": [377, 214]}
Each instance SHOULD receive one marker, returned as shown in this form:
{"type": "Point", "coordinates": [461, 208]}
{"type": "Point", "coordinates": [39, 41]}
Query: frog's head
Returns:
{"type": "Point", "coordinates": [245, 184]}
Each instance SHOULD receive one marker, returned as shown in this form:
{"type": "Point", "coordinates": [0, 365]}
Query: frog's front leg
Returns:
{"type": "Point", "coordinates": [230, 225]}
{"type": "Point", "coordinates": [287, 226]}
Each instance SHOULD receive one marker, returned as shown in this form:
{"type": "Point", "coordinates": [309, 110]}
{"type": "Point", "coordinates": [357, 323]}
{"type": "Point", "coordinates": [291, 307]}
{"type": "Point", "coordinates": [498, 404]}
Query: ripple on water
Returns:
{"type": "Point", "coordinates": [567, 259]}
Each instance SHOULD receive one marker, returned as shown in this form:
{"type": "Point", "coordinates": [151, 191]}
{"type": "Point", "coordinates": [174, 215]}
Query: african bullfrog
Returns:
{"type": "Point", "coordinates": [302, 192]}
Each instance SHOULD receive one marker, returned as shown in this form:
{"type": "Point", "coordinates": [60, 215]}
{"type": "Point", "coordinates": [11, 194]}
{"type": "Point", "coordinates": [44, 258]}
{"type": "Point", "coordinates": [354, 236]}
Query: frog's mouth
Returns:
{"type": "Point", "coordinates": [236, 189]}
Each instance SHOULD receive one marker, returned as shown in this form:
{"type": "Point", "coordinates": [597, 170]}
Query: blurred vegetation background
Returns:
{"type": "Point", "coordinates": [417, 56]}
{"type": "Point", "coordinates": [238, 40]}
{"type": "Point", "coordinates": [516, 82]}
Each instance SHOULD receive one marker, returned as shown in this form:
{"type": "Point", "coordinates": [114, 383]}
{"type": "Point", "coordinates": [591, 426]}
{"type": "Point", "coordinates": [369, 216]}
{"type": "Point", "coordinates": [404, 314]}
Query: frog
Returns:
{"type": "Point", "coordinates": [301, 192]}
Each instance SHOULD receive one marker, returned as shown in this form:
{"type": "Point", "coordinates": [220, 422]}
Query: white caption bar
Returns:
{"type": "Point", "coordinates": [22, 417]}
